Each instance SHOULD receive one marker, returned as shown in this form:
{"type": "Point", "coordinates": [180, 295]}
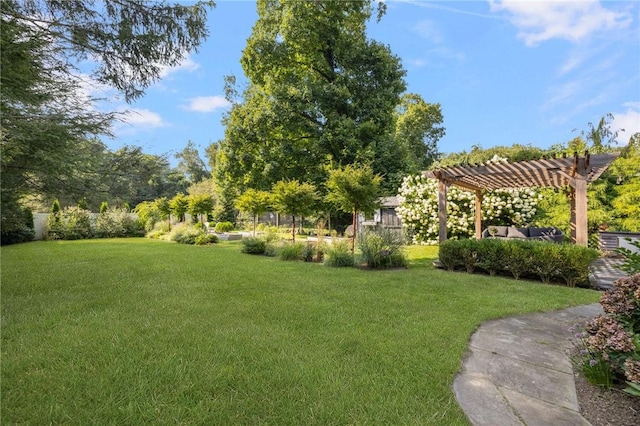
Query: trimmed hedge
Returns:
{"type": "Point", "coordinates": [547, 261]}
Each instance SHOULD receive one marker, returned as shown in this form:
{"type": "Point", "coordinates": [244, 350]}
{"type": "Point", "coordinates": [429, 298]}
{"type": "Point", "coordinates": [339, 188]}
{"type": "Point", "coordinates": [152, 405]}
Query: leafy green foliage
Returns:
{"type": "Point", "coordinates": [548, 261]}
{"type": "Point", "coordinates": [418, 131]}
{"type": "Point", "coordinates": [191, 165]}
{"type": "Point", "coordinates": [294, 198]}
{"type": "Point", "coordinates": [224, 227]}
{"type": "Point", "coordinates": [319, 92]}
{"type": "Point", "coordinates": [381, 249]}
{"type": "Point", "coordinates": [631, 263]}
{"type": "Point", "coordinates": [74, 224]}
{"type": "Point", "coordinates": [184, 233]}
{"type": "Point", "coordinates": [253, 245]}
{"type": "Point", "coordinates": [200, 204]}
{"type": "Point", "coordinates": [293, 251]}
{"type": "Point", "coordinates": [206, 239]}
{"type": "Point", "coordinates": [117, 223]}
{"type": "Point", "coordinates": [354, 189]}
{"type": "Point", "coordinates": [338, 254]}
{"type": "Point", "coordinates": [608, 349]}
{"type": "Point", "coordinates": [49, 128]}
{"type": "Point", "coordinates": [255, 203]}
{"type": "Point", "coordinates": [179, 205]}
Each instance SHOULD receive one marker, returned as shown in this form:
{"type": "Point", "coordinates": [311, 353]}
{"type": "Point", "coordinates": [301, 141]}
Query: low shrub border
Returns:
{"type": "Point", "coordinates": [518, 258]}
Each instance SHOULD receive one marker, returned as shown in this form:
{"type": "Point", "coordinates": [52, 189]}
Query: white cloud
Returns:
{"type": "Point", "coordinates": [627, 123]}
{"type": "Point", "coordinates": [207, 104]}
{"type": "Point", "coordinates": [429, 30]}
{"type": "Point", "coordinates": [188, 65]}
{"type": "Point", "coordinates": [539, 21]}
{"type": "Point", "coordinates": [134, 120]}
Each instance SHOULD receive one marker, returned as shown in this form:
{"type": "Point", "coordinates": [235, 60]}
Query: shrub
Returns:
{"type": "Point", "coordinates": [253, 245]}
{"type": "Point", "coordinates": [491, 255]}
{"type": "Point", "coordinates": [548, 260]}
{"type": "Point", "coordinates": [292, 251]}
{"type": "Point", "coordinates": [450, 254]}
{"type": "Point", "coordinates": [338, 254]}
{"type": "Point", "coordinates": [381, 249]}
{"type": "Point", "coordinates": [518, 257]}
{"type": "Point", "coordinates": [224, 227]}
{"type": "Point", "coordinates": [76, 223]}
{"type": "Point", "coordinates": [272, 248]}
{"type": "Point", "coordinates": [205, 239]}
{"type": "Point", "coordinates": [185, 234]}
{"type": "Point", "coordinates": [418, 209]}
{"type": "Point", "coordinates": [17, 225]}
{"type": "Point", "coordinates": [160, 230]}
{"type": "Point", "coordinates": [469, 253]}
{"type": "Point", "coordinates": [117, 223]}
{"type": "Point", "coordinates": [574, 266]}
{"type": "Point", "coordinates": [608, 350]}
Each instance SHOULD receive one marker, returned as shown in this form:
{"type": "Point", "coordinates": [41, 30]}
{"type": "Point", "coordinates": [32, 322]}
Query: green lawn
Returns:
{"type": "Point", "coordinates": [139, 331]}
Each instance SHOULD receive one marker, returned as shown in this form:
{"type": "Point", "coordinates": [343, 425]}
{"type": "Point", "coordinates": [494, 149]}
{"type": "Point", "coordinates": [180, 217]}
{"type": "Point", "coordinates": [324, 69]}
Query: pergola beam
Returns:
{"type": "Point", "coordinates": [575, 172]}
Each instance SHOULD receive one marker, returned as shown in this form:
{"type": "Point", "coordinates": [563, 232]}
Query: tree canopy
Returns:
{"type": "Point", "coordinates": [47, 127]}
{"type": "Point", "coordinates": [319, 94]}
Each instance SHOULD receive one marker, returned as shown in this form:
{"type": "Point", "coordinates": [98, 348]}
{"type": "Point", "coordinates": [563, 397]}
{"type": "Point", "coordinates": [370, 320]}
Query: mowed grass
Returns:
{"type": "Point", "coordinates": [137, 331]}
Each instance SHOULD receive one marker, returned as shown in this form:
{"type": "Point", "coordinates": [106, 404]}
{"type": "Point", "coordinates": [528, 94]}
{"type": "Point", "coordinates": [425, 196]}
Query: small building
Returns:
{"type": "Point", "coordinates": [383, 218]}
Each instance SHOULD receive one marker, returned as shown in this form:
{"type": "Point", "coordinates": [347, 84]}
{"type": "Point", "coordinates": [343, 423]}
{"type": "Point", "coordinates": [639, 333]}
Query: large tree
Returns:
{"type": "Point", "coordinates": [46, 121]}
{"type": "Point", "coordinates": [320, 93]}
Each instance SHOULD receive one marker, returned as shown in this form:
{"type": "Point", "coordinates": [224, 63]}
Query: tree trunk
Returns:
{"type": "Point", "coordinates": [254, 224]}
{"type": "Point", "coordinates": [354, 223]}
{"type": "Point", "coordinates": [293, 228]}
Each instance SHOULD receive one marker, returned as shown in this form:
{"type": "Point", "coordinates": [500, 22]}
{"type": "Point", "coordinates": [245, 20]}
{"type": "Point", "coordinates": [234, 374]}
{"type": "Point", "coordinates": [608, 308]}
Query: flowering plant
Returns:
{"type": "Point", "coordinates": [418, 208]}
{"type": "Point", "coordinates": [609, 346]}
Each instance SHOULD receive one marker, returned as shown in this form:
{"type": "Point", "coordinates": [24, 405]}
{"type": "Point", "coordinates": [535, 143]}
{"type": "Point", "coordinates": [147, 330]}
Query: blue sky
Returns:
{"type": "Point", "coordinates": [504, 72]}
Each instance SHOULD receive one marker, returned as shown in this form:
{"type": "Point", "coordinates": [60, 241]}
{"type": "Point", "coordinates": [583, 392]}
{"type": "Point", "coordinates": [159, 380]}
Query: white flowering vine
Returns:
{"type": "Point", "coordinates": [418, 209]}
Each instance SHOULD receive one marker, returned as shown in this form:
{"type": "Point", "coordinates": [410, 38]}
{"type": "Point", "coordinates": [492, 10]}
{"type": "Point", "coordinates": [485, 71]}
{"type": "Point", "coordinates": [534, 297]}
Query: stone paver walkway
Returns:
{"type": "Point", "coordinates": [518, 371]}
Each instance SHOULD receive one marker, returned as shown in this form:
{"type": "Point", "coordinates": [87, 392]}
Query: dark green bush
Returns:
{"type": "Point", "coordinates": [450, 254]}
{"type": "Point", "coordinates": [224, 227]}
{"type": "Point", "coordinates": [338, 254]}
{"type": "Point", "coordinates": [17, 225]}
{"type": "Point", "coordinates": [574, 268]}
{"type": "Point", "coordinates": [469, 253]}
{"type": "Point", "coordinates": [491, 255]}
{"type": "Point", "coordinates": [549, 261]}
{"type": "Point", "coordinates": [253, 245]}
{"type": "Point", "coordinates": [518, 257]}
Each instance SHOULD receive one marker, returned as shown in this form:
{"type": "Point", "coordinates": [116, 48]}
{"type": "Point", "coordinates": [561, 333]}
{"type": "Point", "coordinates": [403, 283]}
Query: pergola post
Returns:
{"type": "Point", "coordinates": [442, 210]}
{"type": "Point", "coordinates": [478, 214]}
{"type": "Point", "coordinates": [579, 213]}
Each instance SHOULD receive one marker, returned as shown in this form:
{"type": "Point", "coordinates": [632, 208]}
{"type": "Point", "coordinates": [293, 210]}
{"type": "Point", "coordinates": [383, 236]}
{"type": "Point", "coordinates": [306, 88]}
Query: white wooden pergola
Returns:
{"type": "Point", "coordinates": [574, 173]}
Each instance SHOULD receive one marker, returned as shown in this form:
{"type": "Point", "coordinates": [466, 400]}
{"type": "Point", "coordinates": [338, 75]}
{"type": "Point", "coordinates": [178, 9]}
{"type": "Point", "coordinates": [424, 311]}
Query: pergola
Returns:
{"type": "Point", "coordinates": [574, 173]}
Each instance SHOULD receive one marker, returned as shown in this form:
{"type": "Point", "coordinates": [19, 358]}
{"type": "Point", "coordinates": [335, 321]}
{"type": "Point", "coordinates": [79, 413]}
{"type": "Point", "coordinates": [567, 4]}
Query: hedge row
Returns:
{"type": "Point", "coordinates": [520, 258]}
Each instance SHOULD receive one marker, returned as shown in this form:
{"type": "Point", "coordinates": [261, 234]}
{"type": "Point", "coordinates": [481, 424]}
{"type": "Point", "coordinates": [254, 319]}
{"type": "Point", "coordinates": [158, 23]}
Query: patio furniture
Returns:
{"type": "Point", "coordinates": [530, 233]}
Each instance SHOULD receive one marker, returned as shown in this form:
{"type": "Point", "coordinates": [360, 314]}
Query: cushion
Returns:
{"type": "Point", "coordinates": [501, 231]}
{"type": "Point", "coordinates": [513, 232]}
{"type": "Point", "coordinates": [539, 232]}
